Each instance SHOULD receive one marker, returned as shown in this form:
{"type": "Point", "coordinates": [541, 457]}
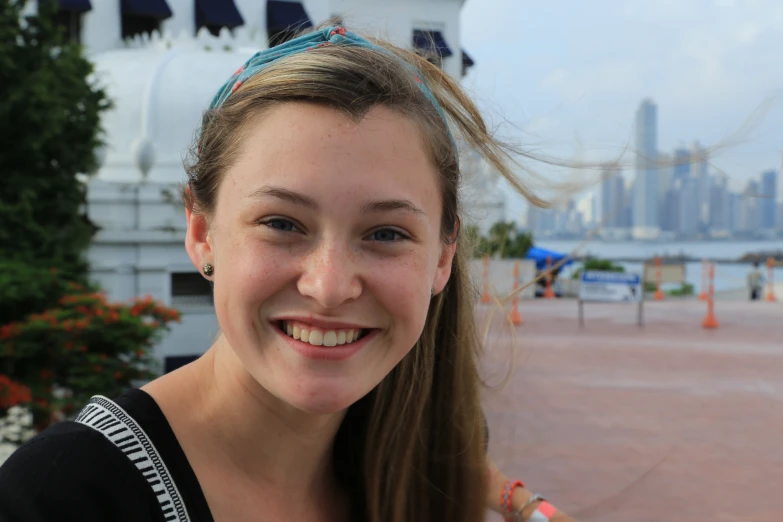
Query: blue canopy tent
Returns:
{"type": "Point", "coordinates": [540, 256]}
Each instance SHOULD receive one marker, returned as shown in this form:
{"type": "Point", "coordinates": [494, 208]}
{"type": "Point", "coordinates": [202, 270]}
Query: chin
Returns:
{"type": "Point", "coordinates": [322, 399]}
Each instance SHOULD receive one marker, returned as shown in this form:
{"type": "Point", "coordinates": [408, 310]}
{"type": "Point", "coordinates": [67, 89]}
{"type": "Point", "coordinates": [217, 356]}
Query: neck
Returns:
{"type": "Point", "coordinates": [257, 435]}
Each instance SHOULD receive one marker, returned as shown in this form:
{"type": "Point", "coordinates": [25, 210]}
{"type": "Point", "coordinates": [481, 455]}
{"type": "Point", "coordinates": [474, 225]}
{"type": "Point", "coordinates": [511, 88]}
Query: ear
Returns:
{"type": "Point", "coordinates": [443, 271]}
{"type": "Point", "coordinates": [198, 241]}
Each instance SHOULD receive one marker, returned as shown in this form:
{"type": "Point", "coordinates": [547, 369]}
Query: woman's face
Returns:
{"type": "Point", "coordinates": [325, 230]}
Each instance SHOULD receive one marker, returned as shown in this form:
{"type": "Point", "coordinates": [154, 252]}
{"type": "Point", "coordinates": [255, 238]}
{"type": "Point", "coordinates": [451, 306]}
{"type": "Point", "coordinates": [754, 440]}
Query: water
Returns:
{"type": "Point", "coordinates": [727, 276]}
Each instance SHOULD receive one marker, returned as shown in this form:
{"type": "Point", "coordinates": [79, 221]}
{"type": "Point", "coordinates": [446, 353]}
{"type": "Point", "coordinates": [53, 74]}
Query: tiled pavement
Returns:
{"type": "Point", "coordinates": [666, 423]}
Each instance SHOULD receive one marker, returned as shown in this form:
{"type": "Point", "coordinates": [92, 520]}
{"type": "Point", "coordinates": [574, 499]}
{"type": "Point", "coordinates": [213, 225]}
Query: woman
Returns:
{"type": "Point", "coordinates": [322, 203]}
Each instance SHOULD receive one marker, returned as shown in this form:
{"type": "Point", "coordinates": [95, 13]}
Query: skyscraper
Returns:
{"type": "Point", "coordinates": [682, 164]}
{"type": "Point", "coordinates": [700, 171]}
{"type": "Point", "coordinates": [613, 198]}
{"type": "Point", "coordinates": [768, 200]}
{"type": "Point", "coordinates": [645, 201]}
{"type": "Point", "coordinates": [688, 211]}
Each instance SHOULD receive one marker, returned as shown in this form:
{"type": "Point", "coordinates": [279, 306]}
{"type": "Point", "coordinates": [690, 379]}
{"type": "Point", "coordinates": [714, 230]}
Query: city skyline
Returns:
{"type": "Point", "coordinates": [567, 80]}
{"type": "Point", "coordinates": [668, 196]}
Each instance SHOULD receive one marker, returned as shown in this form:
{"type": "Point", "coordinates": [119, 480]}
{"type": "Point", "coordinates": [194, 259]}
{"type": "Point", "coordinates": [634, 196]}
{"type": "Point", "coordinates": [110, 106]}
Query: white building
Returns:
{"type": "Point", "coordinates": [161, 62]}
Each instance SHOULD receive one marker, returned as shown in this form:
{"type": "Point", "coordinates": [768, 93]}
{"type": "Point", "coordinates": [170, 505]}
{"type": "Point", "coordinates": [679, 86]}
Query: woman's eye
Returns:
{"type": "Point", "coordinates": [386, 235]}
{"type": "Point", "coordinates": [279, 224]}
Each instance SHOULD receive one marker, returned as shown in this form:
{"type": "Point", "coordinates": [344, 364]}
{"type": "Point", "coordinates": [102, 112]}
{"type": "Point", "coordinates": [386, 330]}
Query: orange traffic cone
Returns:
{"type": "Point", "coordinates": [771, 280]}
{"type": "Point", "coordinates": [515, 317]}
{"type": "Point", "coordinates": [485, 297]}
{"type": "Point", "coordinates": [549, 293]}
{"type": "Point", "coordinates": [658, 292]}
{"type": "Point", "coordinates": [710, 321]}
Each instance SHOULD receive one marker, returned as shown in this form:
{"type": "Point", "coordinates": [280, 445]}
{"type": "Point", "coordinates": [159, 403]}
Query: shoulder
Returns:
{"type": "Point", "coordinates": [71, 471]}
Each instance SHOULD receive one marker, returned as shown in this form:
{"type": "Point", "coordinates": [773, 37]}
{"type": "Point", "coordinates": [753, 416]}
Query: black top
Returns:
{"type": "Point", "coordinates": [72, 471]}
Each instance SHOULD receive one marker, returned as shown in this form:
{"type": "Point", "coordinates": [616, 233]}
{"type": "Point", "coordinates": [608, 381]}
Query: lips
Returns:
{"type": "Point", "coordinates": [318, 345]}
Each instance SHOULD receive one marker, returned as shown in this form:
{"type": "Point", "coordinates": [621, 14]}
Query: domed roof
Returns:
{"type": "Point", "coordinates": [160, 88]}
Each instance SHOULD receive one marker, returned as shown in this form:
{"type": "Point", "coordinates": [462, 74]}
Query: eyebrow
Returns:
{"type": "Point", "coordinates": [383, 205]}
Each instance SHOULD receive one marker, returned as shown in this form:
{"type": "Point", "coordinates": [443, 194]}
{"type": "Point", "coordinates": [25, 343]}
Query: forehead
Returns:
{"type": "Point", "coordinates": [314, 148]}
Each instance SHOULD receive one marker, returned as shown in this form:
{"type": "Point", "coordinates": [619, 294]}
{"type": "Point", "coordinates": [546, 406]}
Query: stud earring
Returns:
{"type": "Point", "coordinates": [208, 269]}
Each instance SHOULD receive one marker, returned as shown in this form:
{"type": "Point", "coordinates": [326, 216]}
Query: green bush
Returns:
{"type": "Point", "coordinates": [603, 265]}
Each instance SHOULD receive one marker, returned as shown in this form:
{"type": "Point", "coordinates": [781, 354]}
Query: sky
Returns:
{"type": "Point", "coordinates": [565, 77]}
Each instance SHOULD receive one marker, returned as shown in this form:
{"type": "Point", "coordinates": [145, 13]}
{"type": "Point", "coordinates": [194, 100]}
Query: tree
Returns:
{"type": "Point", "coordinates": [50, 110]}
{"type": "Point", "coordinates": [60, 340]}
{"type": "Point", "coordinates": [503, 240]}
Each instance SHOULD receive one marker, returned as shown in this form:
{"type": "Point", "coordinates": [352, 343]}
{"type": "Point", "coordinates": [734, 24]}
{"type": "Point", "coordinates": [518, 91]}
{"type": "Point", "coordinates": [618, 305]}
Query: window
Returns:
{"type": "Point", "coordinates": [190, 289]}
{"type": "Point", "coordinates": [431, 45]}
{"type": "Point", "coordinates": [217, 14]}
{"type": "Point", "coordinates": [284, 20]}
{"type": "Point", "coordinates": [467, 63]}
{"type": "Point", "coordinates": [68, 16]}
{"type": "Point", "coordinates": [133, 25]}
{"type": "Point", "coordinates": [71, 24]}
{"type": "Point", "coordinates": [142, 16]}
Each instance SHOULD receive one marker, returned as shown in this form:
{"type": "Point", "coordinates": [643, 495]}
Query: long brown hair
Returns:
{"type": "Point", "coordinates": [413, 450]}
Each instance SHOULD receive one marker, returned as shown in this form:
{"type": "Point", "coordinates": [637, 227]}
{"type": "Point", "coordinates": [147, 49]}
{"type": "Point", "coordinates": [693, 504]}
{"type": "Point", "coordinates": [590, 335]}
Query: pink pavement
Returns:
{"type": "Point", "coordinates": [667, 423]}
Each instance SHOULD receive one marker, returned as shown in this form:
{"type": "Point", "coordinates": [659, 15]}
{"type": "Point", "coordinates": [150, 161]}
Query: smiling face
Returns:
{"type": "Point", "coordinates": [324, 229]}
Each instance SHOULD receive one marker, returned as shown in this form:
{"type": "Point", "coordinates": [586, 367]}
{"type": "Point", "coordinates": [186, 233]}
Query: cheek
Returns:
{"type": "Point", "coordinates": [403, 288]}
{"type": "Point", "coordinates": [252, 273]}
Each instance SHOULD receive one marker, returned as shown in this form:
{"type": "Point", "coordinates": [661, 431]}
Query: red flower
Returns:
{"type": "Point", "coordinates": [98, 368]}
{"type": "Point", "coordinates": [82, 348]}
{"type": "Point", "coordinates": [11, 393]}
{"type": "Point", "coordinates": [118, 375]}
{"type": "Point", "coordinates": [68, 346]}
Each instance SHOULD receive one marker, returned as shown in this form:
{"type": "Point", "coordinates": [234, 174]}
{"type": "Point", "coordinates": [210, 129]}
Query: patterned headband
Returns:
{"type": "Point", "coordinates": [330, 36]}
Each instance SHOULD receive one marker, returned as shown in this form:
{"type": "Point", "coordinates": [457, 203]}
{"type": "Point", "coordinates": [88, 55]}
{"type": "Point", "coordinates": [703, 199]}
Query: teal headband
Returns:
{"type": "Point", "coordinates": [330, 36]}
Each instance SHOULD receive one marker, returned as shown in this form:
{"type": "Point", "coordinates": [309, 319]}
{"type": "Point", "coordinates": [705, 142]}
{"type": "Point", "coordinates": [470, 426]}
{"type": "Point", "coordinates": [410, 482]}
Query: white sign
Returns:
{"type": "Point", "coordinates": [610, 286]}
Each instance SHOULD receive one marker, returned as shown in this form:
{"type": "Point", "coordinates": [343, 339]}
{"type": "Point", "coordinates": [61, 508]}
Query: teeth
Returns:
{"type": "Point", "coordinates": [318, 337]}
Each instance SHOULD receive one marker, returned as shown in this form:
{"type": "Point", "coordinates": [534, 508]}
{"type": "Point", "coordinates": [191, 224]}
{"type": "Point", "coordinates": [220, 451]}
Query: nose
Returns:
{"type": "Point", "coordinates": [330, 275]}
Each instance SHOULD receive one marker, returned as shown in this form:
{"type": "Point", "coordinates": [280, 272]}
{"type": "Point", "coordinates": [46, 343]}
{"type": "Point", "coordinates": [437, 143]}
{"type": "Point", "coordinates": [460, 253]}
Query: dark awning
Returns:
{"type": "Point", "coordinates": [467, 61]}
{"type": "Point", "coordinates": [431, 42]}
{"type": "Point", "coordinates": [148, 8]}
{"type": "Point", "coordinates": [219, 13]}
{"type": "Point", "coordinates": [282, 15]}
{"type": "Point", "coordinates": [76, 6]}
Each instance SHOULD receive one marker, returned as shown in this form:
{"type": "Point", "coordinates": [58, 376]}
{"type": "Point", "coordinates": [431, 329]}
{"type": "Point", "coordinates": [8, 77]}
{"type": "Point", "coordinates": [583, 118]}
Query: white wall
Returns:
{"type": "Point", "coordinates": [102, 27]}
{"type": "Point", "coordinates": [184, 18]}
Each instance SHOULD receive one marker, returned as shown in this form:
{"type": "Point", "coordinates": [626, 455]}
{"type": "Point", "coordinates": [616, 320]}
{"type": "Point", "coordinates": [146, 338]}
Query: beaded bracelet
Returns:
{"type": "Point", "coordinates": [505, 497]}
